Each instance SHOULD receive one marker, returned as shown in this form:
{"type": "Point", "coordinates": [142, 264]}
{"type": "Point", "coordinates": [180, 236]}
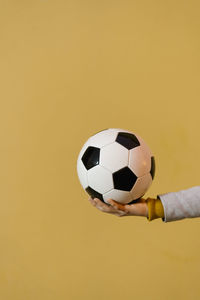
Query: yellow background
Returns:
{"type": "Point", "coordinates": [67, 70]}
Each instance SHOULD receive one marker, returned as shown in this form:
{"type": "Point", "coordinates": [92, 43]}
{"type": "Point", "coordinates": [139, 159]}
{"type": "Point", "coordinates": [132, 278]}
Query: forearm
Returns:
{"type": "Point", "coordinates": [181, 204]}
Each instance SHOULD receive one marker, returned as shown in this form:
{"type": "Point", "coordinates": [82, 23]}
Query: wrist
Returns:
{"type": "Point", "coordinates": [155, 209]}
{"type": "Point", "coordinates": [144, 208]}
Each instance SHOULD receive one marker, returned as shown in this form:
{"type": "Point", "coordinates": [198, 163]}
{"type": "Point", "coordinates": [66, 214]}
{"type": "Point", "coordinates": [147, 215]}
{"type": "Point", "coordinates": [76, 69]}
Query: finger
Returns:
{"type": "Point", "coordinates": [103, 206]}
{"type": "Point", "coordinates": [117, 205]}
{"type": "Point", "coordinates": [120, 214]}
{"type": "Point", "coordinates": [98, 204]}
{"type": "Point", "coordinates": [92, 201]}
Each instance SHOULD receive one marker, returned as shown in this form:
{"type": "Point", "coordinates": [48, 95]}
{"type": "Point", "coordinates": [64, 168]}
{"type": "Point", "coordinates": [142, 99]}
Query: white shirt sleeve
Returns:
{"type": "Point", "coordinates": [182, 204]}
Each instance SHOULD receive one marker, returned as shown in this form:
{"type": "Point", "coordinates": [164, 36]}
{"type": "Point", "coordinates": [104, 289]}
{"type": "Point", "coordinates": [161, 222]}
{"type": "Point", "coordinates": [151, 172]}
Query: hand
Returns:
{"type": "Point", "coordinates": [139, 208]}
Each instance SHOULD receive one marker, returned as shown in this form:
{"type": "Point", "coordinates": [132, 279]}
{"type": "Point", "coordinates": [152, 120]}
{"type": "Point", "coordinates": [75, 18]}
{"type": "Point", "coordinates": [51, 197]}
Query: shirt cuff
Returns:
{"type": "Point", "coordinates": [155, 209]}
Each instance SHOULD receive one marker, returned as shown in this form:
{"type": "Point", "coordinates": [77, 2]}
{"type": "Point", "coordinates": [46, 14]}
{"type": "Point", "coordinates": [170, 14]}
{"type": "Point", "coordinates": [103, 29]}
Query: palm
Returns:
{"type": "Point", "coordinates": [136, 209]}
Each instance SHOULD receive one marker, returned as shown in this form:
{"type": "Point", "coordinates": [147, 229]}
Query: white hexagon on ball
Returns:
{"type": "Point", "coordinates": [144, 145]}
{"type": "Point", "coordinates": [114, 157]}
{"type": "Point", "coordinates": [141, 185]}
{"type": "Point", "coordinates": [82, 173]}
{"type": "Point", "coordinates": [102, 138]}
{"type": "Point", "coordinates": [100, 179]}
{"type": "Point", "coordinates": [139, 161]}
{"type": "Point", "coordinates": [119, 196]}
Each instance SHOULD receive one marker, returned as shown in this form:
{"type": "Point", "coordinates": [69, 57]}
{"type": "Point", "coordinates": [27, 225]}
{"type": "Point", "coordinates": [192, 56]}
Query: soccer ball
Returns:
{"type": "Point", "coordinates": [116, 164]}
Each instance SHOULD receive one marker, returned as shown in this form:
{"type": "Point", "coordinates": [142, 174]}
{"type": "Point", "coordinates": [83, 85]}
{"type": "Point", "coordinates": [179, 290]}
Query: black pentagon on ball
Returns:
{"type": "Point", "coordinates": [153, 167]}
{"type": "Point", "coordinates": [128, 140]}
{"type": "Point", "coordinates": [94, 194]}
{"type": "Point", "coordinates": [124, 179]}
{"type": "Point", "coordinates": [91, 157]}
